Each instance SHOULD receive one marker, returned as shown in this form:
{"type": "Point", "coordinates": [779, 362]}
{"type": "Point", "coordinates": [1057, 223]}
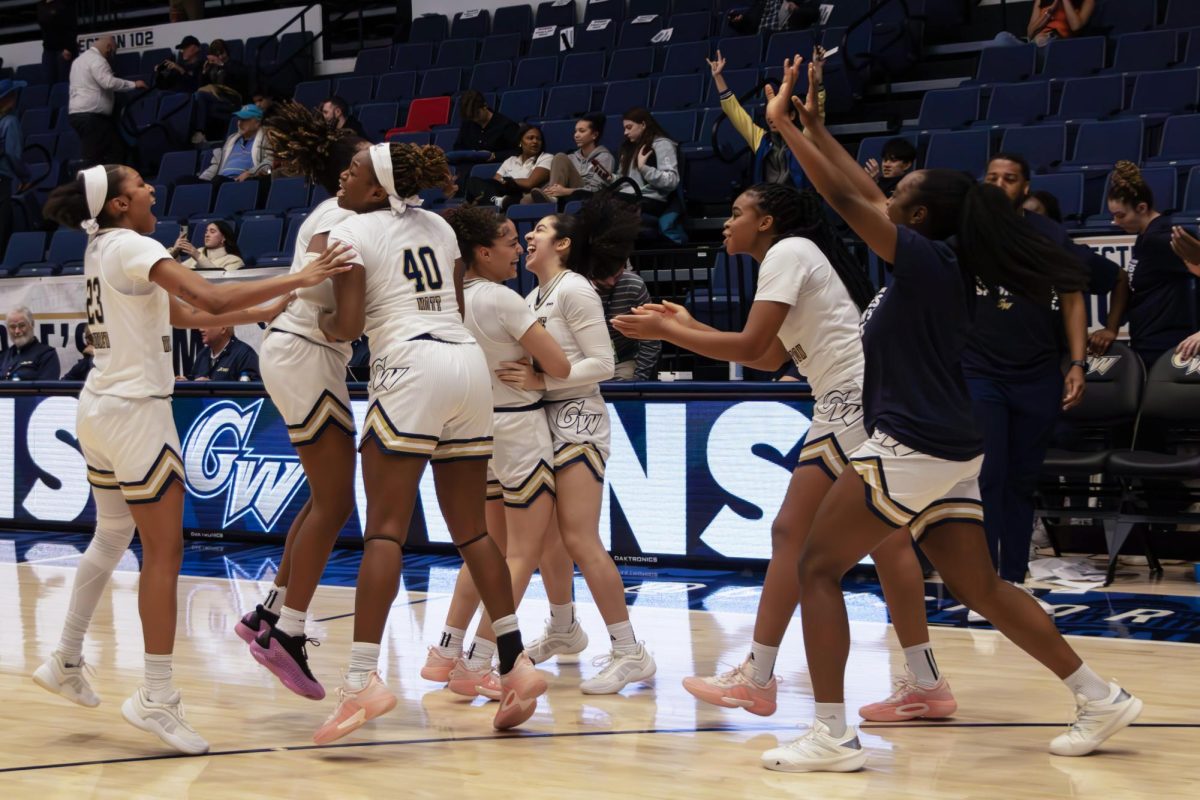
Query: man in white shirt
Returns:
{"type": "Point", "coordinates": [90, 103]}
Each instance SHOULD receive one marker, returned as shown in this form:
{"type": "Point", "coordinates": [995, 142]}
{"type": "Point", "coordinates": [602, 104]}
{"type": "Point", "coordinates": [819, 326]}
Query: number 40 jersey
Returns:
{"type": "Point", "coordinates": [409, 262]}
{"type": "Point", "coordinates": [129, 317]}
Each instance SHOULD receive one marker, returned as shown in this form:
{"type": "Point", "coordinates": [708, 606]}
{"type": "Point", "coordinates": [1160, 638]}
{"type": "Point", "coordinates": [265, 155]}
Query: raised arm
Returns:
{"type": "Point", "coordinates": [1038, 19]}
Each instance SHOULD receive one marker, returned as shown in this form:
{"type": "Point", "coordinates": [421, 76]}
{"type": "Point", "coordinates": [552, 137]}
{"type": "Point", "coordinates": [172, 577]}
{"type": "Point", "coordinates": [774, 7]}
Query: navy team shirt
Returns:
{"type": "Point", "coordinates": [229, 365]}
{"type": "Point", "coordinates": [1162, 302]}
{"type": "Point", "coordinates": [914, 334]}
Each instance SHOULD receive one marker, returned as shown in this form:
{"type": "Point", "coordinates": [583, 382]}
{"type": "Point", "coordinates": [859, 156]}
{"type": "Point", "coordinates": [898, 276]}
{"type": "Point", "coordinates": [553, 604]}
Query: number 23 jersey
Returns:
{"type": "Point", "coordinates": [409, 262]}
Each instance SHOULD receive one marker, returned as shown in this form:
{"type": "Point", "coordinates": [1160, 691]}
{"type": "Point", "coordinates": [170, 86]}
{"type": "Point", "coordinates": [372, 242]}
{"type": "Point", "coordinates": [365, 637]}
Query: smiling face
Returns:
{"type": "Point", "coordinates": [359, 190]}
{"type": "Point", "coordinates": [213, 238]}
{"type": "Point", "coordinates": [543, 247]}
{"type": "Point", "coordinates": [745, 225]}
{"type": "Point", "coordinates": [585, 134]}
{"type": "Point", "coordinates": [1009, 176]}
{"type": "Point", "coordinates": [498, 261]}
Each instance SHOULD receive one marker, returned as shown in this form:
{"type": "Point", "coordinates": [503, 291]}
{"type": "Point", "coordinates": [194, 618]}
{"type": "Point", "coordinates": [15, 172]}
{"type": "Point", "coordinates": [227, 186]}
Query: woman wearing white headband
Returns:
{"type": "Point", "coordinates": [430, 399]}
{"type": "Point", "coordinates": [135, 293]}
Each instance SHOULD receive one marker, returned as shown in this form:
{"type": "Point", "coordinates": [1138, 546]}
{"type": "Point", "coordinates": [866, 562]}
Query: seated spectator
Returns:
{"type": "Point", "coordinates": [587, 170]}
{"type": "Point", "coordinates": [650, 159]}
{"type": "Point", "coordinates": [220, 249]}
{"type": "Point", "coordinates": [1058, 19]}
{"type": "Point", "coordinates": [224, 85]}
{"type": "Point", "coordinates": [26, 358]}
{"type": "Point", "coordinates": [246, 154]}
{"type": "Point", "coordinates": [485, 130]}
{"type": "Point", "coordinates": [336, 112]}
{"type": "Point", "coordinates": [775, 15]}
{"type": "Point", "coordinates": [224, 358]}
{"type": "Point", "coordinates": [183, 74]}
{"type": "Point", "coordinates": [773, 160]}
{"type": "Point", "coordinates": [898, 155]}
{"type": "Point", "coordinates": [636, 360]}
{"type": "Point", "coordinates": [518, 176]}
{"type": "Point", "coordinates": [263, 101]}
{"type": "Point", "coordinates": [83, 366]}
{"type": "Point", "coordinates": [1044, 203]}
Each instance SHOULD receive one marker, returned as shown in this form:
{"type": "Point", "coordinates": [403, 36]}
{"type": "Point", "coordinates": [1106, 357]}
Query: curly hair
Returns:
{"type": "Point", "coordinates": [801, 214]}
{"type": "Point", "coordinates": [416, 167]}
{"type": "Point", "coordinates": [474, 226]}
{"type": "Point", "coordinates": [602, 236]}
{"type": "Point", "coordinates": [308, 145]}
{"type": "Point", "coordinates": [1126, 185]}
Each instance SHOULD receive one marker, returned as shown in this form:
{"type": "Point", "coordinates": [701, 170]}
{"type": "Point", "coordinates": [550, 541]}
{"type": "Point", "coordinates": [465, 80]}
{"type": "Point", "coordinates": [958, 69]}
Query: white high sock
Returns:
{"type": "Point", "coordinates": [621, 634]}
{"type": "Point", "coordinates": [922, 664]}
{"type": "Point", "coordinates": [480, 654]}
{"type": "Point", "coordinates": [762, 662]}
{"type": "Point", "coordinates": [158, 677]}
{"type": "Point", "coordinates": [291, 621]}
{"type": "Point", "coordinates": [834, 717]}
{"type": "Point", "coordinates": [274, 599]}
{"type": "Point", "coordinates": [562, 617]}
{"type": "Point", "coordinates": [114, 532]}
{"type": "Point", "coordinates": [450, 644]}
{"type": "Point", "coordinates": [364, 659]}
{"type": "Point", "coordinates": [1087, 683]}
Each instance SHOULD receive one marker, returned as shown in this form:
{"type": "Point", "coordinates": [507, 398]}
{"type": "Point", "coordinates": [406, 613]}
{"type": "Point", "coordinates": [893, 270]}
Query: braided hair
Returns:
{"type": "Point", "coordinates": [302, 139]}
{"type": "Point", "coordinates": [474, 226]}
{"type": "Point", "coordinates": [416, 167]}
{"type": "Point", "coordinates": [1126, 185]}
{"type": "Point", "coordinates": [602, 235]}
{"type": "Point", "coordinates": [801, 213]}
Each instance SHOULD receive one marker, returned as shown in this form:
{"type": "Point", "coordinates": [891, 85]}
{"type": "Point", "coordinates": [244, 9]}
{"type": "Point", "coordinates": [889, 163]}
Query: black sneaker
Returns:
{"type": "Point", "coordinates": [287, 659]}
{"type": "Point", "coordinates": [254, 623]}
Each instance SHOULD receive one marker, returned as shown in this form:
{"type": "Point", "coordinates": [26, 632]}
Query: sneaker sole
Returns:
{"type": "Point", "coordinates": [465, 687]}
{"type": "Point", "coordinates": [246, 633]}
{"type": "Point", "coordinates": [721, 701]}
{"type": "Point", "coordinates": [1124, 721]}
{"type": "Point", "coordinates": [336, 733]}
{"type": "Point", "coordinates": [935, 710]}
{"type": "Point", "coordinates": [509, 715]}
{"type": "Point", "coordinates": [289, 673]}
{"type": "Point", "coordinates": [436, 676]}
{"type": "Point", "coordinates": [57, 691]}
{"type": "Point", "coordinates": [848, 763]}
{"type": "Point", "coordinates": [637, 677]}
{"type": "Point", "coordinates": [166, 738]}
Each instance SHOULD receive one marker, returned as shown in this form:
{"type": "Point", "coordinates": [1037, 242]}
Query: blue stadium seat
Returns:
{"type": "Point", "coordinates": [377, 119]}
{"type": "Point", "coordinates": [603, 40]}
{"type": "Point", "coordinates": [559, 135]}
{"type": "Point", "coordinates": [691, 27]}
{"type": "Point", "coordinates": [514, 19]}
{"type": "Point", "coordinates": [567, 102]}
{"type": "Point", "coordinates": [871, 147]}
{"type": "Point", "coordinates": [536, 73]}
{"type": "Point", "coordinates": [686, 59]}
{"type": "Point", "coordinates": [963, 150]}
{"type": "Point", "coordinates": [1074, 58]}
{"type": "Point", "coordinates": [165, 232]}
{"type": "Point", "coordinates": [310, 94]}
{"type": "Point", "coordinates": [1017, 104]}
{"type": "Point", "coordinates": [161, 195]}
{"type": "Point", "coordinates": [445, 138]}
{"type": "Point", "coordinates": [1067, 187]}
{"type": "Point", "coordinates": [258, 237]}
{"type": "Point", "coordinates": [1191, 194]}
{"type": "Point", "coordinates": [457, 53]}
{"type": "Point", "coordinates": [356, 90]}
{"type": "Point", "coordinates": [555, 12]}
{"type": "Point", "coordinates": [475, 26]}
{"type": "Point", "coordinates": [1100, 145]}
{"type": "Point", "coordinates": [1142, 52]}
{"type": "Point", "coordinates": [547, 45]}
{"type": "Point", "coordinates": [1115, 19]}
{"type": "Point", "coordinates": [1163, 184]}
{"type": "Point", "coordinates": [180, 164]}
{"type": "Point", "coordinates": [636, 62]}
{"type": "Point", "coordinates": [66, 247]}
{"type": "Point", "coordinates": [233, 198]}
{"type": "Point", "coordinates": [1179, 141]}
{"type": "Point", "coordinates": [150, 59]}
{"type": "Point", "coordinates": [34, 271]}
{"type": "Point", "coordinates": [35, 120]}
{"type": "Point", "coordinates": [1157, 95]}
{"type": "Point", "coordinates": [416, 137]}
{"type": "Point", "coordinates": [441, 82]}
{"type": "Point", "coordinates": [614, 133]}
{"type": "Point", "coordinates": [483, 171]}
{"type": "Point", "coordinates": [741, 52]}
{"type": "Point", "coordinates": [191, 200]}
{"type": "Point", "coordinates": [126, 63]}
{"type": "Point", "coordinates": [39, 148]}
{"type": "Point", "coordinates": [412, 56]}
{"type": "Point", "coordinates": [526, 215]}
{"type": "Point", "coordinates": [582, 68]}
{"type": "Point", "coordinates": [1182, 14]}
{"type": "Point", "coordinates": [1044, 146]}
{"type": "Point", "coordinates": [71, 269]}
{"type": "Point", "coordinates": [786, 44]}
{"type": "Point", "coordinates": [678, 93]}
{"type": "Point", "coordinates": [491, 76]}
{"type": "Point", "coordinates": [620, 96]}
{"type": "Point", "coordinates": [691, 6]}
{"type": "Point", "coordinates": [283, 257]}
{"type": "Point", "coordinates": [638, 8]}
{"type": "Point", "coordinates": [373, 61]}
{"type": "Point", "coordinates": [429, 28]}
{"type": "Point", "coordinates": [1091, 98]}
{"type": "Point", "coordinates": [679, 125]}
{"type": "Point", "coordinates": [637, 34]}
{"type": "Point", "coordinates": [521, 105]}
{"type": "Point", "coordinates": [501, 47]}
{"type": "Point", "coordinates": [24, 247]}
{"type": "Point", "coordinates": [948, 109]}
{"type": "Point", "coordinates": [30, 73]}
{"type": "Point", "coordinates": [59, 95]}
{"type": "Point", "coordinates": [286, 195]}
{"type": "Point", "coordinates": [709, 178]}
{"type": "Point", "coordinates": [739, 81]}
{"type": "Point", "coordinates": [1006, 64]}
{"type": "Point", "coordinates": [399, 87]}
{"type": "Point", "coordinates": [604, 9]}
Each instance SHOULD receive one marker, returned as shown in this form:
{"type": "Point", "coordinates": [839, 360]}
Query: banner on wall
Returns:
{"type": "Point", "coordinates": [1119, 250]}
{"type": "Point", "coordinates": [687, 478]}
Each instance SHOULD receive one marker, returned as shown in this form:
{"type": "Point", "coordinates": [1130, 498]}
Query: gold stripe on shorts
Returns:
{"type": "Point", "coordinates": [167, 468]}
{"type": "Point", "coordinates": [378, 427]}
{"type": "Point", "coordinates": [102, 478]}
{"type": "Point", "coordinates": [826, 453]}
{"type": "Point", "coordinates": [949, 509]}
{"type": "Point", "coordinates": [463, 449]}
{"type": "Point", "coordinates": [494, 491]}
{"type": "Point", "coordinates": [870, 469]}
{"type": "Point", "coordinates": [538, 481]}
{"type": "Point", "coordinates": [328, 411]}
{"type": "Point", "coordinates": [585, 452]}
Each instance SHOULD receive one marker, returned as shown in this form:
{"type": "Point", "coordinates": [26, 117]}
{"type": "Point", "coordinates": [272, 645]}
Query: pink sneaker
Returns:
{"type": "Point", "coordinates": [437, 666]}
{"type": "Point", "coordinates": [355, 709]}
{"type": "Point", "coordinates": [912, 701]}
{"type": "Point", "coordinates": [471, 682]}
{"type": "Point", "coordinates": [522, 686]}
{"type": "Point", "coordinates": [735, 689]}
{"type": "Point", "coordinates": [287, 659]}
{"type": "Point", "coordinates": [249, 627]}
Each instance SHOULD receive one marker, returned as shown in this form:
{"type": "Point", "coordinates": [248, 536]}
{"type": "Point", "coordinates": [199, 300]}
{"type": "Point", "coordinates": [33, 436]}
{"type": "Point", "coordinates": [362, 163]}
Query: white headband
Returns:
{"type": "Point", "coordinates": [95, 187]}
{"type": "Point", "coordinates": [381, 161]}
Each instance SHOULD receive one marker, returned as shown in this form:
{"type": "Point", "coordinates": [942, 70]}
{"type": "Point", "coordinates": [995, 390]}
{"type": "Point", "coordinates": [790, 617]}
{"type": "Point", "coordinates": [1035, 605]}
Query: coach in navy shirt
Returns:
{"type": "Point", "coordinates": [26, 359]}
{"type": "Point", "coordinates": [225, 358]}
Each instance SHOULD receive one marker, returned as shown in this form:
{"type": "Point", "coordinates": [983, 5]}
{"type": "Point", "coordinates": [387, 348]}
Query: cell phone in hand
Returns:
{"type": "Point", "coordinates": [831, 52]}
{"type": "Point", "coordinates": [183, 231]}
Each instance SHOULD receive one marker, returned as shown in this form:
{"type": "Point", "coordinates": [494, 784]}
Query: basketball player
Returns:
{"type": "Point", "coordinates": [809, 296]}
{"type": "Point", "coordinates": [135, 293]}
{"type": "Point", "coordinates": [430, 399]}
{"type": "Point", "coordinates": [566, 253]}
{"type": "Point", "coordinates": [521, 472]}
{"type": "Point", "coordinates": [920, 467]}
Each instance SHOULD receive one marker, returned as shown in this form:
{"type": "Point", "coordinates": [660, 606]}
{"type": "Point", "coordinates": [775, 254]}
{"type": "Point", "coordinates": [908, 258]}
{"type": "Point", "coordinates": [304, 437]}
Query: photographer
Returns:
{"type": "Point", "coordinates": [182, 75]}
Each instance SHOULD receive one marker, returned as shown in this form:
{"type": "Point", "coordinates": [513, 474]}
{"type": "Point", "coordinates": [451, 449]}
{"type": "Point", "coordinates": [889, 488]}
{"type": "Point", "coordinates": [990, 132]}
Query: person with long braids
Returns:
{"type": "Point", "coordinates": [135, 293]}
{"type": "Point", "coordinates": [566, 252]}
{"type": "Point", "coordinates": [430, 399]}
{"type": "Point", "coordinates": [521, 473]}
{"type": "Point", "coordinates": [940, 232]}
{"type": "Point", "coordinates": [305, 375]}
{"type": "Point", "coordinates": [806, 306]}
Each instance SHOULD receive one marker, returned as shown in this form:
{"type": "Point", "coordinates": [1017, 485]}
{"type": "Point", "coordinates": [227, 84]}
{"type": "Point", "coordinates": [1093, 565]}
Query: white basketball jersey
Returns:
{"type": "Point", "coordinates": [497, 317]}
{"type": "Point", "coordinates": [303, 314]}
{"type": "Point", "coordinates": [572, 313]}
{"type": "Point", "coordinates": [409, 261]}
{"type": "Point", "coordinates": [129, 317]}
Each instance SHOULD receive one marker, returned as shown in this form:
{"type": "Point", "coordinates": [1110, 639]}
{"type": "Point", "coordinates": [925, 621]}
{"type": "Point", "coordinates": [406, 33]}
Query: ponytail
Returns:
{"type": "Point", "coordinates": [1127, 185]}
{"type": "Point", "coordinates": [68, 206]}
{"type": "Point", "coordinates": [602, 236]}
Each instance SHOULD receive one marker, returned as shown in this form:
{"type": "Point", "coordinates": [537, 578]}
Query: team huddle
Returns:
{"type": "Point", "coordinates": [501, 395]}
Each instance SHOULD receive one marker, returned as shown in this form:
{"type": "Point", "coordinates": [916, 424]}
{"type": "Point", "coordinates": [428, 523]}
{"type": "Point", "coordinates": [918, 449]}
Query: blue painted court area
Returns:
{"type": "Point", "coordinates": [1108, 614]}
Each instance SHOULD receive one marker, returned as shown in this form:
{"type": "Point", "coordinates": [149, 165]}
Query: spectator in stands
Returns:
{"type": "Point", "coordinates": [587, 170]}
{"type": "Point", "coordinates": [1154, 287]}
{"type": "Point", "coordinates": [485, 130]}
{"type": "Point", "coordinates": [1044, 203]}
{"type": "Point", "coordinates": [775, 15]}
{"type": "Point", "coordinates": [90, 104]}
{"type": "Point", "coordinates": [83, 366]}
{"type": "Point", "coordinates": [186, 10]}
{"type": "Point", "coordinates": [899, 155]}
{"type": "Point", "coordinates": [336, 112]}
{"type": "Point", "coordinates": [263, 101]}
{"type": "Point", "coordinates": [1058, 19]}
{"type": "Point", "coordinates": [220, 249]}
{"type": "Point", "coordinates": [225, 83]}
{"type": "Point", "coordinates": [650, 159]}
{"type": "Point", "coordinates": [182, 74]}
{"type": "Point", "coordinates": [224, 358]}
{"type": "Point", "coordinates": [60, 24]}
{"type": "Point", "coordinates": [246, 155]}
{"type": "Point", "coordinates": [519, 175]}
{"type": "Point", "coordinates": [26, 358]}
{"type": "Point", "coordinates": [773, 161]}
{"type": "Point", "coordinates": [636, 360]}
{"type": "Point", "coordinates": [14, 175]}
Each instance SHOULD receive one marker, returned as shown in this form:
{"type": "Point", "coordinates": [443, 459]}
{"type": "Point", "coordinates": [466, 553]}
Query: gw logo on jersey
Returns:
{"type": "Point", "coordinates": [384, 378]}
{"type": "Point", "coordinates": [1100, 365]}
{"type": "Point", "coordinates": [573, 414]}
{"type": "Point", "coordinates": [217, 458]}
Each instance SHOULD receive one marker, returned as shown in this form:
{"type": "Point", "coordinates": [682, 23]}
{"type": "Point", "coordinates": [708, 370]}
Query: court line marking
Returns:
{"type": "Point", "coordinates": [546, 735]}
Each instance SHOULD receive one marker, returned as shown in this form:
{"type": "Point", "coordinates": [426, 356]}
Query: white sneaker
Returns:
{"type": "Point", "coordinates": [569, 643]}
{"type": "Point", "coordinates": [618, 670]}
{"type": "Point", "coordinates": [1095, 721]}
{"type": "Point", "coordinates": [164, 720]}
{"type": "Point", "coordinates": [818, 751]}
{"type": "Point", "coordinates": [70, 682]}
{"type": "Point", "coordinates": [975, 616]}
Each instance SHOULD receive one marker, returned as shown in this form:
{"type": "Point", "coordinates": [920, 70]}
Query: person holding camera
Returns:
{"type": "Point", "coordinates": [220, 249]}
{"type": "Point", "coordinates": [182, 75]}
